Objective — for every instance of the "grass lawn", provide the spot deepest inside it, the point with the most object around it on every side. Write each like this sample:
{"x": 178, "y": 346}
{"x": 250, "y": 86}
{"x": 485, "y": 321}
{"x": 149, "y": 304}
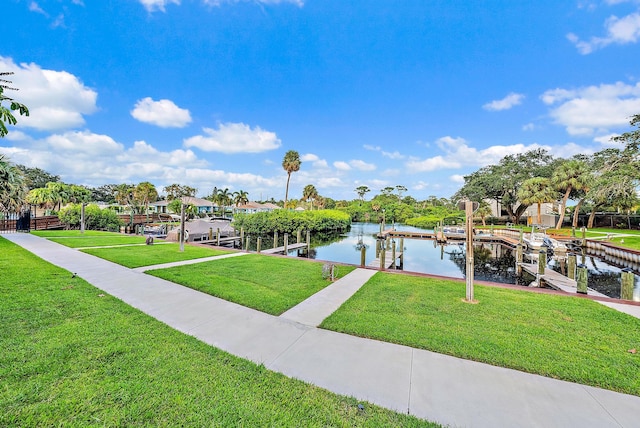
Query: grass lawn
{"x": 148, "y": 255}
{"x": 561, "y": 337}
{"x": 90, "y": 238}
{"x": 72, "y": 356}
{"x": 266, "y": 283}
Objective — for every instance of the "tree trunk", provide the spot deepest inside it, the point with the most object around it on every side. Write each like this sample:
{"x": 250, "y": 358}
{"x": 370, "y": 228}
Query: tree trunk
{"x": 563, "y": 208}
{"x": 576, "y": 213}
{"x": 592, "y": 216}
{"x": 539, "y": 213}
{"x": 286, "y": 193}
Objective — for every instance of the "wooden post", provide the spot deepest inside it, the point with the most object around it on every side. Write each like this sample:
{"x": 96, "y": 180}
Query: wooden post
{"x": 582, "y": 275}
{"x": 275, "y": 239}
{"x": 182, "y": 228}
{"x": 241, "y": 236}
{"x": 286, "y": 243}
{"x": 246, "y": 248}
{"x": 378, "y": 244}
{"x": 519, "y": 259}
{"x": 521, "y": 236}
{"x": 468, "y": 208}
{"x": 573, "y": 232}
{"x": 299, "y": 236}
{"x": 571, "y": 266}
{"x": 542, "y": 261}
{"x": 393, "y": 255}
{"x": 584, "y": 237}
{"x": 258, "y": 244}
{"x": 82, "y": 218}
{"x": 210, "y": 233}
{"x": 628, "y": 282}
{"x": 218, "y": 237}
{"x": 401, "y": 253}
{"x": 382, "y": 260}
{"x": 363, "y": 255}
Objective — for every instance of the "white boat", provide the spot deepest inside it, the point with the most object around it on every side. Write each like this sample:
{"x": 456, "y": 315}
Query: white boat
{"x": 537, "y": 241}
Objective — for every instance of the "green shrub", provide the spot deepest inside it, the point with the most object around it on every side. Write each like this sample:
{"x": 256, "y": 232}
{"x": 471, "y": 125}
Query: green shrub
{"x": 95, "y": 218}
{"x": 284, "y": 221}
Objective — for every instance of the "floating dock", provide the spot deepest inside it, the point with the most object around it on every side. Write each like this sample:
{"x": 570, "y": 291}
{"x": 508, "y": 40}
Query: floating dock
{"x": 281, "y": 250}
{"x": 557, "y": 280}
{"x": 388, "y": 260}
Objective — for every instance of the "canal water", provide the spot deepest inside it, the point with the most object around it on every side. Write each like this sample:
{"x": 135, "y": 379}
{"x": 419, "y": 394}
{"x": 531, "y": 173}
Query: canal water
{"x": 492, "y": 262}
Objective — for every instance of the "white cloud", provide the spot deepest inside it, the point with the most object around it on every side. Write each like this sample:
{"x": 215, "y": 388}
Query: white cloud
{"x": 457, "y": 178}
{"x": 234, "y": 138}
{"x": 342, "y": 166}
{"x": 163, "y": 113}
{"x": 390, "y": 155}
{"x": 153, "y": 5}
{"x": 505, "y": 103}
{"x": 585, "y": 111}
{"x": 362, "y": 165}
{"x": 619, "y": 31}
{"x": 315, "y": 161}
{"x": 56, "y": 99}
{"x": 606, "y": 140}
{"x": 528, "y": 127}
{"x": 432, "y": 164}
{"x": 35, "y": 7}
{"x": 458, "y": 153}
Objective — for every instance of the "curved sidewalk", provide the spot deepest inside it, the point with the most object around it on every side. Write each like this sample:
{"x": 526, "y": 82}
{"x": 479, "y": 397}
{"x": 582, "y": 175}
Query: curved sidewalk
{"x": 432, "y": 386}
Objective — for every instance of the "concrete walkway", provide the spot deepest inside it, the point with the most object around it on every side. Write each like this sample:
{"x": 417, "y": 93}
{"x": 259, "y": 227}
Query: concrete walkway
{"x": 435, "y": 387}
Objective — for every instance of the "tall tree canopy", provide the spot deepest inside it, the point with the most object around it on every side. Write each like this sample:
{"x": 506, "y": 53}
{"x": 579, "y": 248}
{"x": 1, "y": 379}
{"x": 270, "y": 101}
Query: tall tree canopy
{"x": 501, "y": 182}
{"x": 6, "y": 114}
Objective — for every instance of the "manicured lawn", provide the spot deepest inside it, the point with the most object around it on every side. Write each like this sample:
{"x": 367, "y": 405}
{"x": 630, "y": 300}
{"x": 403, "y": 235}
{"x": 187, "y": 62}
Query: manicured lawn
{"x": 147, "y": 255}
{"x": 72, "y": 356}
{"x": 562, "y": 337}
{"x": 632, "y": 242}
{"x": 268, "y": 284}
{"x": 90, "y": 238}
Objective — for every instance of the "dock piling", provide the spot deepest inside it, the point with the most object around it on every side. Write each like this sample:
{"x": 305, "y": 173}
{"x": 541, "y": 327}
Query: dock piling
{"x": 571, "y": 266}
{"x": 628, "y": 282}
{"x": 582, "y": 279}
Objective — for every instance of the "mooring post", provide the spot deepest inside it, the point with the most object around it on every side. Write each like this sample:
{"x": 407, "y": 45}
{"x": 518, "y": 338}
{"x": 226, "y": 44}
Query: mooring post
{"x": 382, "y": 261}
{"x": 363, "y": 255}
{"x": 299, "y": 236}
{"x": 258, "y": 244}
{"x": 521, "y": 237}
{"x": 377, "y": 248}
{"x": 286, "y": 243}
{"x": 308, "y": 242}
{"x": 542, "y": 261}
{"x": 582, "y": 275}
{"x": 519, "y": 259}
{"x": 401, "y": 253}
{"x": 218, "y": 237}
{"x": 571, "y": 266}
{"x": 246, "y": 248}
{"x": 393, "y": 255}
{"x": 241, "y": 236}
{"x": 628, "y": 282}
{"x": 210, "y": 234}
{"x": 584, "y": 237}
{"x": 275, "y": 239}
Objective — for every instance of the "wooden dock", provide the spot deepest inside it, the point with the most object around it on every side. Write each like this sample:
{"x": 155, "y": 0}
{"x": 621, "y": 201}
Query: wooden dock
{"x": 221, "y": 241}
{"x": 388, "y": 260}
{"x": 557, "y": 280}
{"x": 280, "y": 250}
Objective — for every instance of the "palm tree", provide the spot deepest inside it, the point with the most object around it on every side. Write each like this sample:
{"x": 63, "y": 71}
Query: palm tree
{"x": 40, "y": 197}
{"x": 145, "y": 193}
{"x": 483, "y": 211}
{"x": 569, "y": 176}
{"x": 240, "y": 198}
{"x": 59, "y": 193}
{"x": 290, "y": 163}
{"x": 223, "y": 198}
{"x": 309, "y": 193}
{"x": 13, "y": 188}
{"x": 537, "y": 190}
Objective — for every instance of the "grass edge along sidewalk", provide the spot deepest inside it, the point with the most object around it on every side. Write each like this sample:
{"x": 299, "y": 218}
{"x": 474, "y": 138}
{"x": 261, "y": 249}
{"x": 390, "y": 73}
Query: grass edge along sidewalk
{"x": 561, "y": 337}
{"x": 74, "y": 356}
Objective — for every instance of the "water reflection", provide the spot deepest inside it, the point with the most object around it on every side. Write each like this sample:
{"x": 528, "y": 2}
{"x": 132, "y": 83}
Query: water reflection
{"x": 493, "y": 262}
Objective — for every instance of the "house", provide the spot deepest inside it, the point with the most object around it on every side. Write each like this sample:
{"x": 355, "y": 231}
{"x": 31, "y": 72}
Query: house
{"x": 204, "y": 206}
{"x": 256, "y": 207}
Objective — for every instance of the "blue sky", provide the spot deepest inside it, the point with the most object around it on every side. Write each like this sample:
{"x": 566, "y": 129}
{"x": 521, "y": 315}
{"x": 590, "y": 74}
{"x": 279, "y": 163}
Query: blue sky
{"x": 378, "y": 92}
